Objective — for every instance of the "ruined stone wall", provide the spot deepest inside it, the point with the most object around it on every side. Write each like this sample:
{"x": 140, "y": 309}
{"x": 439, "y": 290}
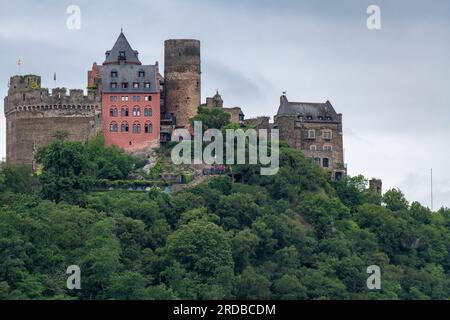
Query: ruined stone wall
{"x": 182, "y": 80}
{"x": 234, "y": 114}
{"x": 258, "y": 123}
{"x": 376, "y": 185}
{"x": 33, "y": 115}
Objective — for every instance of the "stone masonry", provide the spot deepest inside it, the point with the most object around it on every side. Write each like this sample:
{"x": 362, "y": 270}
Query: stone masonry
{"x": 316, "y": 130}
{"x": 33, "y": 115}
{"x": 182, "y": 76}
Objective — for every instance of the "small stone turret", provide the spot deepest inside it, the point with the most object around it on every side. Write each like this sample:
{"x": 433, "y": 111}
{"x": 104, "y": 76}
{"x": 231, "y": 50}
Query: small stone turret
{"x": 376, "y": 186}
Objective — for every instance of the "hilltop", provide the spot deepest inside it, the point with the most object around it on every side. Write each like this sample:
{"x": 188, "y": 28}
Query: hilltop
{"x": 295, "y": 235}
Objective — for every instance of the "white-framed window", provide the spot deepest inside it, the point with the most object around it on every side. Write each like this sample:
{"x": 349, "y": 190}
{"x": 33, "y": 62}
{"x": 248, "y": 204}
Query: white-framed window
{"x": 327, "y": 134}
{"x": 148, "y": 98}
{"x": 311, "y": 134}
{"x": 328, "y": 147}
{"x": 124, "y": 98}
{"x": 313, "y": 147}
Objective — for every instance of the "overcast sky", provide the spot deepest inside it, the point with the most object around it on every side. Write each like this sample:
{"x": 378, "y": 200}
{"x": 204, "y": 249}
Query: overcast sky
{"x": 392, "y": 85}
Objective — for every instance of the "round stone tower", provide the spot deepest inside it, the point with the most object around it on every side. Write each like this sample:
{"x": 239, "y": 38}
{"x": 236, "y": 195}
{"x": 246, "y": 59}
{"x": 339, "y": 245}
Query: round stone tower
{"x": 182, "y": 73}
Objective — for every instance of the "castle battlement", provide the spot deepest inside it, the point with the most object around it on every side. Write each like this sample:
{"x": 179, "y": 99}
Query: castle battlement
{"x": 33, "y": 114}
{"x": 26, "y": 95}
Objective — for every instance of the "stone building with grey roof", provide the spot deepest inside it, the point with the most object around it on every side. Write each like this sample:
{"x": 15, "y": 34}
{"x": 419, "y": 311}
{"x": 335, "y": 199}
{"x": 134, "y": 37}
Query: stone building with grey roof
{"x": 316, "y": 130}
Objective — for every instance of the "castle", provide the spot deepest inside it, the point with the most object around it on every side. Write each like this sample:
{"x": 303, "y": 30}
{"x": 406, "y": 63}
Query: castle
{"x": 316, "y": 130}
{"x": 137, "y": 108}
{"x": 134, "y": 106}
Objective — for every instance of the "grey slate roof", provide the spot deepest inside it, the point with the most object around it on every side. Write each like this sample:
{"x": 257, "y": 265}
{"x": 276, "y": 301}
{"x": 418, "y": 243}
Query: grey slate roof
{"x": 307, "y": 109}
{"x": 122, "y": 44}
{"x": 127, "y": 70}
{"x": 129, "y": 73}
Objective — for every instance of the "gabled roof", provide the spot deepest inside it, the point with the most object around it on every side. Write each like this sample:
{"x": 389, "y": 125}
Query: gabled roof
{"x": 314, "y": 110}
{"x": 122, "y": 45}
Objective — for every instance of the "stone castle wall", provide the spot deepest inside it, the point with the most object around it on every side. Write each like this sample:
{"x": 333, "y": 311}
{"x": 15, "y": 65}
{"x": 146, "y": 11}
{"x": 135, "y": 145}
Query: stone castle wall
{"x": 182, "y": 75}
{"x": 33, "y": 115}
{"x": 295, "y": 134}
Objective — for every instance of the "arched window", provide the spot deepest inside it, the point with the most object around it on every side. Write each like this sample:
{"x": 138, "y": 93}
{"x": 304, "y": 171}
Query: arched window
{"x": 116, "y": 113}
{"x": 124, "y": 112}
{"x": 148, "y": 127}
{"x": 113, "y": 127}
{"x": 124, "y": 127}
{"x": 113, "y": 112}
{"x": 136, "y": 112}
{"x": 136, "y": 127}
{"x": 148, "y": 112}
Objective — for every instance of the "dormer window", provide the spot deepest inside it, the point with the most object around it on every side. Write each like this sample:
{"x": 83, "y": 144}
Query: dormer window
{"x": 320, "y": 118}
{"x": 124, "y": 85}
{"x": 300, "y": 118}
{"x": 113, "y": 85}
{"x": 147, "y": 85}
{"x": 328, "y": 118}
{"x": 114, "y": 74}
{"x": 141, "y": 74}
{"x": 309, "y": 117}
{"x": 122, "y": 55}
{"x": 135, "y": 85}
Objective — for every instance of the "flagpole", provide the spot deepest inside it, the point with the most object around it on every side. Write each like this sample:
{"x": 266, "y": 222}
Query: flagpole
{"x": 19, "y": 64}
{"x": 432, "y": 189}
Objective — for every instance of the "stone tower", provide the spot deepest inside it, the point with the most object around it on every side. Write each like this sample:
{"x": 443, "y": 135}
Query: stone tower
{"x": 182, "y": 73}
{"x": 33, "y": 115}
{"x": 376, "y": 186}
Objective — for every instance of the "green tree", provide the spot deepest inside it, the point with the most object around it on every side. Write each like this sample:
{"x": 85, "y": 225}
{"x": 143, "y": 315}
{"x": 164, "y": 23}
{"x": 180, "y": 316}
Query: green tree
{"x": 203, "y": 250}
{"x": 395, "y": 200}
{"x": 67, "y": 175}
{"x": 211, "y": 118}
{"x": 17, "y": 179}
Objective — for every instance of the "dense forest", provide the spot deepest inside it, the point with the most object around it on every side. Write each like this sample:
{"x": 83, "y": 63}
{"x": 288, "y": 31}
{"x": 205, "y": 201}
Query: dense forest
{"x": 294, "y": 235}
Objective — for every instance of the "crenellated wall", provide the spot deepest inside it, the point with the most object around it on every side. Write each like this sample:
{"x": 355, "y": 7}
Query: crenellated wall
{"x": 33, "y": 114}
